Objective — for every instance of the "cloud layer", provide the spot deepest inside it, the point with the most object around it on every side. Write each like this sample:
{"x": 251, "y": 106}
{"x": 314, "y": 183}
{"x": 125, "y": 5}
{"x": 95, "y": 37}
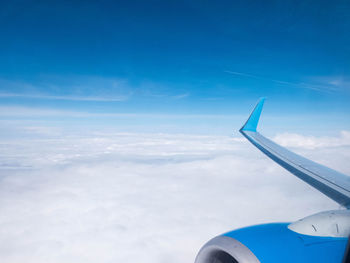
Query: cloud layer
{"x": 312, "y": 142}
{"x": 144, "y": 197}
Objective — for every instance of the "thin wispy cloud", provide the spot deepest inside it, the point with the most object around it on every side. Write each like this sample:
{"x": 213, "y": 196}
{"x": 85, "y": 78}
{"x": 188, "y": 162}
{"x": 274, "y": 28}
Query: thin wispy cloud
{"x": 340, "y": 82}
{"x": 242, "y": 74}
{"x": 86, "y": 88}
{"x": 67, "y": 88}
{"x": 328, "y": 87}
{"x": 68, "y": 97}
{"x": 181, "y": 96}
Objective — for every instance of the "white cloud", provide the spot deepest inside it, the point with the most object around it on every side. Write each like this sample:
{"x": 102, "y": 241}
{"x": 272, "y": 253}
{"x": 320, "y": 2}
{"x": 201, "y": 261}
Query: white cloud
{"x": 140, "y": 197}
{"x": 24, "y": 112}
{"x": 73, "y": 88}
{"x": 312, "y": 142}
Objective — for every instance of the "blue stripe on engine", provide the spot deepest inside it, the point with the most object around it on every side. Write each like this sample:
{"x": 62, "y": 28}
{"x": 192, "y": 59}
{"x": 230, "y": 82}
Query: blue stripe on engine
{"x": 274, "y": 242}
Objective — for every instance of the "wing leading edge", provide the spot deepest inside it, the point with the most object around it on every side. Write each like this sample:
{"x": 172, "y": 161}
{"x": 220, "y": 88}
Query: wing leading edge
{"x": 330, "y": 182}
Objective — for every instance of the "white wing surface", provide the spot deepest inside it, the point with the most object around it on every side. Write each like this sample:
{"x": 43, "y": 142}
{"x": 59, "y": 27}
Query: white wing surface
{"x": 330, "y": 182}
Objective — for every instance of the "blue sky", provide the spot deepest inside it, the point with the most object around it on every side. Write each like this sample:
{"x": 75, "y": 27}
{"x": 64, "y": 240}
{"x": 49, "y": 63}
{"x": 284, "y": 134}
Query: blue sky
{"x": 175, "y": 66}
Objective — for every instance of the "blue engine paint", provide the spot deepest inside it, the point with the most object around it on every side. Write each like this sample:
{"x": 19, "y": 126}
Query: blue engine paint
{"x": 273, "y": 243}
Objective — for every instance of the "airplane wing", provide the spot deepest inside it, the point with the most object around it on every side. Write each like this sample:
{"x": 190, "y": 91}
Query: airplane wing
{"x": 331, "y": 183}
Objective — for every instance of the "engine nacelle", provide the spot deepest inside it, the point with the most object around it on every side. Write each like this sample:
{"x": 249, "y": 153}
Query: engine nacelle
{"x": 277, "y": 242}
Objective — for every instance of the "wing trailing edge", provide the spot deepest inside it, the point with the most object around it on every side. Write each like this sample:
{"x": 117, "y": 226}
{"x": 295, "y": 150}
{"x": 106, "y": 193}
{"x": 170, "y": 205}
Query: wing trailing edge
{"x": 330, "y": 182}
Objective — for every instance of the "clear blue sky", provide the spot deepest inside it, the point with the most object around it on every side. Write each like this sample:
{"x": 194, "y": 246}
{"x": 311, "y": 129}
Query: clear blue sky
{"x": 176, "y": 65}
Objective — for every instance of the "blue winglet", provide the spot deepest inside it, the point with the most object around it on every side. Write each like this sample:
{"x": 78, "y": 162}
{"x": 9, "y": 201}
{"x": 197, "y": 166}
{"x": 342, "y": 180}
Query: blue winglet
{"x": 252, "y": 123}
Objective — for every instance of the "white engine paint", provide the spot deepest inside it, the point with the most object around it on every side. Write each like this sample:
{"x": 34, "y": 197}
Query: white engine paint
{"x": 335, "y": 223}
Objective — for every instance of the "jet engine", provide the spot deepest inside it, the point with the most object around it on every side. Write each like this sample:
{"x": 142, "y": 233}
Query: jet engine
{"x": 318, "y": 238}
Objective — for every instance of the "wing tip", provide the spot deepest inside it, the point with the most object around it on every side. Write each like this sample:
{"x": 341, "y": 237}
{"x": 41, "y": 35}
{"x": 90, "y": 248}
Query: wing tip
{"x": 253, "y": 120}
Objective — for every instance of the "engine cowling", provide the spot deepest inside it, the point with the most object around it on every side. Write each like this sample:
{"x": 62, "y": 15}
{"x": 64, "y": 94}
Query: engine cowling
{"x": 271, "y": 243}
